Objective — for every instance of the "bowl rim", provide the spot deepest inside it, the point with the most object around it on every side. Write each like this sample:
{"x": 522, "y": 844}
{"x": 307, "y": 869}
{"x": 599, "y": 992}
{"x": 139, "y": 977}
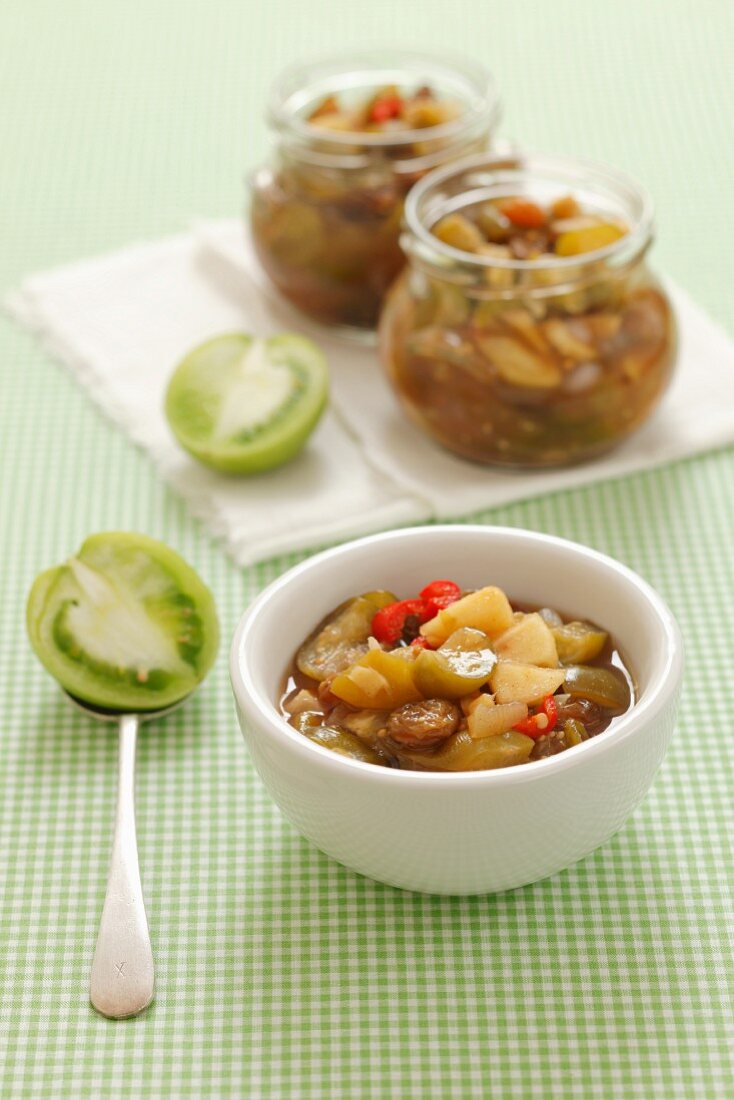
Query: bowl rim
{"x": 660, "y": 693}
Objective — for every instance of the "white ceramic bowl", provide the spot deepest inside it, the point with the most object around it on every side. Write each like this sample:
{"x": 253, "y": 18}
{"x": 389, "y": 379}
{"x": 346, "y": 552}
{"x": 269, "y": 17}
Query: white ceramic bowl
{"x": 466, "y": 832}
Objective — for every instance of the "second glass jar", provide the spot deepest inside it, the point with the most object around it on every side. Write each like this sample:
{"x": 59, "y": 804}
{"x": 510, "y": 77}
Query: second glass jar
{"x": 536, "y": 362}
{"x": 326, "y": 214}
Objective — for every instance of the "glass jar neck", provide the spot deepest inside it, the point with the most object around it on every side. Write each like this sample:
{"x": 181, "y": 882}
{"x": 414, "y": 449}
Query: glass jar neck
{"x": 358, "y": 76}
{"x": 478, "y": 179}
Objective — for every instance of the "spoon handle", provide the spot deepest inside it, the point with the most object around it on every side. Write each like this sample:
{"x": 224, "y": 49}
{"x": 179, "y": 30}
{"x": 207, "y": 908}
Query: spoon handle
{"x": 122, "y": 971}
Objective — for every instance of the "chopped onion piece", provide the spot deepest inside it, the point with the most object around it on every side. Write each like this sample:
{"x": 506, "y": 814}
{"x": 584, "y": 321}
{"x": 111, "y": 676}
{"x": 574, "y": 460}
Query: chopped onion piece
{"x": 487, "y": 721}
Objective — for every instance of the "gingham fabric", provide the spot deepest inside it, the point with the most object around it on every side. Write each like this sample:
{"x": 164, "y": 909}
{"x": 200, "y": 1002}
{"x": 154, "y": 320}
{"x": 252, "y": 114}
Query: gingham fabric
{"x": 279, "y": 973}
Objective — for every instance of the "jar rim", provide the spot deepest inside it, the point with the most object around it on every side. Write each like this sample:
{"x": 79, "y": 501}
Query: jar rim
{"x": 522, "y": 164}
{"x": 482, "y": 105}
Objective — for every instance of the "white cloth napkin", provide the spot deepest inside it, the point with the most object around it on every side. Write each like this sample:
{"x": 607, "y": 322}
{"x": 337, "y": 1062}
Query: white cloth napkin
{"x": 121, "y": 322}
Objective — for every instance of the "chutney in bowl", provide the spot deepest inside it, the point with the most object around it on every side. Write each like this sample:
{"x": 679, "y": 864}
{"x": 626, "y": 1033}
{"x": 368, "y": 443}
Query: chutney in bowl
{"x": 468, "y": 831}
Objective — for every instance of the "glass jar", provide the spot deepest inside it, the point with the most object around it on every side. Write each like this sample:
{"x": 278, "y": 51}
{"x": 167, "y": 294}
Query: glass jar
{"x": 528, "y": 363}
{"x": 326, "y": 214}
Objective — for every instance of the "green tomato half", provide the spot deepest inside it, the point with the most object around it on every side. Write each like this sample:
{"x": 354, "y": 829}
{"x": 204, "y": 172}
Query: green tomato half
{"x": 242, "y": 405}
{"x": 125, "y": 624}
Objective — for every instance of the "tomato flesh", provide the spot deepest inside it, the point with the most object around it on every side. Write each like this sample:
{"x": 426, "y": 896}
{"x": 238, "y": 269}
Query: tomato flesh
{"x": 242, "y": 405}
{"x": 125, "y": 624}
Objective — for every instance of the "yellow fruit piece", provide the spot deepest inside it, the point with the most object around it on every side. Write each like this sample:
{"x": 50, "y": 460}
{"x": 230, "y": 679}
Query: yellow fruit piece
{"x": 513, "y": 682}
{"x": 589, "y": 239}
{"x": 488, "y": 610}
{"x": 529, "y": 641}
{"x": 419, "y": 114}
{"x": 458, "y": 232}
{"x": 379, "y": 680}
{"x": 565, "y": 207}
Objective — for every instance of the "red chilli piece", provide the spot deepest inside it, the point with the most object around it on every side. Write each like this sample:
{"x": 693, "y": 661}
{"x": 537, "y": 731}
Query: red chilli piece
{"x": 389, "y": 622}
{"x": 390, "y": 106}
{"x": 542, "y": 722}
{"x": 421, "y": 643}
{"x": 523, "y": 213}
{"x": 440, "y": 595}
{"x": 550, "y": 710}
{"x": 440, "y": 588}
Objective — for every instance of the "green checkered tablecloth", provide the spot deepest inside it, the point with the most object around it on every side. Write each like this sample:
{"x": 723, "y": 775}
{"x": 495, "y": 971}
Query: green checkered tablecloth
{"x": 280, "y": 974}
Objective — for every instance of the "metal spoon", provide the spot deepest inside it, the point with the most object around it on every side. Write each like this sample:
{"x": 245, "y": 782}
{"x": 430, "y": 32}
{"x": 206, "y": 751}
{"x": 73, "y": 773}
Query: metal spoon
{"x": 122, "y": 978}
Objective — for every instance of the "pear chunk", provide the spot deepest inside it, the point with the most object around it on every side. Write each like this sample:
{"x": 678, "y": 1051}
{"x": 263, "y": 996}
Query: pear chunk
{"x": 530, "y": 641}
{"x": 513, "y": 682}
{"x": 487, "y": 610}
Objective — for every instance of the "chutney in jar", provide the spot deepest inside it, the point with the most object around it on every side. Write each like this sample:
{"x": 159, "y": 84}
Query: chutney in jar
{"x": 353, "y": 135}
{"x": 528, "y": 330}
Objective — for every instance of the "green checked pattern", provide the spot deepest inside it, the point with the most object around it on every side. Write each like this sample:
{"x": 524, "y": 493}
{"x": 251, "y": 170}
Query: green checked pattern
{"x": 279, "y": 973}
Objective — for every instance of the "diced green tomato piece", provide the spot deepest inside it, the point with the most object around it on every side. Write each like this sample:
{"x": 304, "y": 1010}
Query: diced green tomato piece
{"x": 342, "y": 639}
{"x": 378, "y": 681}
{"x": 493, "y": 223}
{"x": 578, "y": 642}
{"x": 125, "y": 624}
{"x": 462, "y": 665}
{"x": 574, "y": 732}
{"x": 448, "y": 305}
{"x": 293, "y": 231}
{"x": 578, "y": 241}
{"x": 487, "y": 610}
{"x": 344, "y": 743}
{"x": 604, "y": 686}
{"x": 461, "y": 753}
{"x": 241, "y": 404}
